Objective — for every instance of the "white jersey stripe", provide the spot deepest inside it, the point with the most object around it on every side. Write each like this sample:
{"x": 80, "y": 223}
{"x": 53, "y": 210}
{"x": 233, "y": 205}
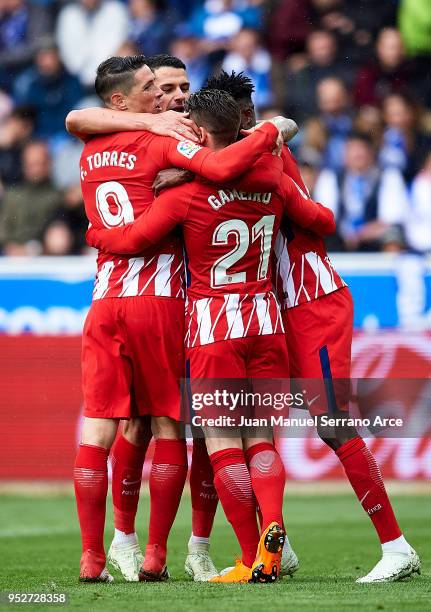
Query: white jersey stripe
{"x": 204, "y": 321}
{"x": 262, "y": 307}
{"x": 233, "y": 316}
{"x": 102, "y": 280}
{"x": 162, "y": 281}
{"x": 131, "y": 280}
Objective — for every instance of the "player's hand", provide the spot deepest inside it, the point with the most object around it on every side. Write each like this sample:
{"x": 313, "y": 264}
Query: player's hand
{"x": 287, "y": 127}
{"x": 171, "y": 177}
{"x": 174, "y": 124}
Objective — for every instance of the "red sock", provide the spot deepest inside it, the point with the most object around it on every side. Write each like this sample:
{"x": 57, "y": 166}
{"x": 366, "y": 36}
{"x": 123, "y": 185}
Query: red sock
{"x": 233, "y": 484}
{"x": 127, "y": 461}
{"x": 268, "y": 478}
{"x": 204, "y": 495}
{"x": 364, "y": 476}
{"x": 167, "y": 478}
{"x": 91, "y": 486}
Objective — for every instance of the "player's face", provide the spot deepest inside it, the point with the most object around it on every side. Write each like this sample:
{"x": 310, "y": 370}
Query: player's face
{"x": 145, "y": 96}
{"x": 175, "y": 86}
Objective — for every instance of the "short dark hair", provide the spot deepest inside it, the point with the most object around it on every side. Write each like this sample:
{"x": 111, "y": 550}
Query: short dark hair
{"x": 164, "y": 60}
{"x": 239, "y": 86}
{"x": 361, "y": 137}
{"x": 117, "y": 73}
{"x": 216, "y": 111}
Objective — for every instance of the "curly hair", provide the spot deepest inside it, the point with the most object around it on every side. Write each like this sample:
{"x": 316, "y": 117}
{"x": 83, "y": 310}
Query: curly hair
{"x": 239, "y": 86}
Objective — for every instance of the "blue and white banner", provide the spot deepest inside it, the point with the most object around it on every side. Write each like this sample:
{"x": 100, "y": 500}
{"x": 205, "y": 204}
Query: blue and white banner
{"x": 52, "y": 295}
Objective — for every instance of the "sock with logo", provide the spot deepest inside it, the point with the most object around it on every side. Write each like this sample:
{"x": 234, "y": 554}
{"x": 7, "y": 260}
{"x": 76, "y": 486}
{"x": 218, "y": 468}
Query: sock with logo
{"x": 167, "y": 478}
{"x": 233, "y": 484}
{"x": 267, "y": 478}
{"x": 203, "y": 493}
{"x": 127, "y": 462}
{"x": 90, "y": 478}
{"x": 364, "y": 476}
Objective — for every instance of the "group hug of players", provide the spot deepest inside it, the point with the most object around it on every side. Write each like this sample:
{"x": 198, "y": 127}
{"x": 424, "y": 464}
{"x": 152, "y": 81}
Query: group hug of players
{"x": 263, "y": 302}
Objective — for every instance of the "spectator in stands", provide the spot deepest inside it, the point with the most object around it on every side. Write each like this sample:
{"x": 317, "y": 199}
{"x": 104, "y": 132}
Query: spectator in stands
{"x": 403, "y": 145}
{"x": 89, "y": 31}
{"x": 389, "y": 72}
{"x": 288, "y": 28}
{"x": 149, "y": 28}
{"x": 65, "y": 229}
{"x": 49, "y": 89}
{"x": 22, "y": 23}
{"x": 369, "y": 121}
{"x": 248, "y": 56}
{"x": 27, "y": 205}
{"x": 216, "y": 21}
{"x": 189, "y": 50}
{"x": 355, "y": 24}
{"x": 370, "y": 205}
{"x": 321, "y": 62}
{"x": 326, "y": 134}
{"x": 418, "y": 223}
{"x": 14, "y": 134}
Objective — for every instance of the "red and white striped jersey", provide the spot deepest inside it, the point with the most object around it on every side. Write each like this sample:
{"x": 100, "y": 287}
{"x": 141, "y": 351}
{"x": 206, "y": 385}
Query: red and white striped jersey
{"x": 229, "y": 235}
{"x": 117, "y": 174}
{"x": 302, "y": 270}
{"x": 231, "y": 315}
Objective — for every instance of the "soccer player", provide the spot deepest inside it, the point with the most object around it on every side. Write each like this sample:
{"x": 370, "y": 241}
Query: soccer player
{"x": 318, "y": 319}
{"x": 128, "y": 451}
{"x": 128, "y": 346}
{"x": 233, "y": 318}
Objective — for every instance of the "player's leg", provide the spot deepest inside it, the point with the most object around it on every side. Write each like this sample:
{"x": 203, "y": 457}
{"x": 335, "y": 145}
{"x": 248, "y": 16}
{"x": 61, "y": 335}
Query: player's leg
{"x": 127, "y": 458}
{"x": 167, "y": 478}
{"x": 106, "y": 378}
{"x": 319, "y": 337}
{"x": 267, "y": 368}
{"x": 213, "y": 367}
{"x": 233, "y": 485}
{"x": 155, "y": 332}
{"x": 204, "y": 499}
{"x": 91, "y": 486}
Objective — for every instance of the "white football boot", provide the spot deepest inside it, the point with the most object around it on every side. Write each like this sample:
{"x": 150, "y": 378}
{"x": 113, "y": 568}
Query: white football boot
{"x": 393, "y": 566}
{"x": 127, "y": 558}
{"x": 198, "y": 564}
{"x": 289, "y": 561}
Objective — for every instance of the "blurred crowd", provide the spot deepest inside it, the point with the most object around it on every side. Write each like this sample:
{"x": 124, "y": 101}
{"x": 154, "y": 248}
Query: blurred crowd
{"x": 354, "y": 74}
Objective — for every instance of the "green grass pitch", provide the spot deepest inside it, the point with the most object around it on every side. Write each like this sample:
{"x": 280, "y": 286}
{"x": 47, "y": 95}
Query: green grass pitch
{"x": 40, "y": 548}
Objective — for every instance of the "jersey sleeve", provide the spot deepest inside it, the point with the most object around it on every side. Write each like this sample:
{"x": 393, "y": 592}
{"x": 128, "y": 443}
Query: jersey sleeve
{"x": 290, "y": 167}
{"x": 156, "y": 222}
{"x": 226, "y": 164}
{"x": 264, "y": 176}
{"x": 303, "y": 211}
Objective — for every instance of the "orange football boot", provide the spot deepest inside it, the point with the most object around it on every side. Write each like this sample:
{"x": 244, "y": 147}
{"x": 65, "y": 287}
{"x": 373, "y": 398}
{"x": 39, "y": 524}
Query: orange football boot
{"x": 239, "y": 573}
{"x": 266, "y": 567}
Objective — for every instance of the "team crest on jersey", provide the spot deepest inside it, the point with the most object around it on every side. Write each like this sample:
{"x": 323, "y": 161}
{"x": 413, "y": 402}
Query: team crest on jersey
{"x": 188, "y": 148}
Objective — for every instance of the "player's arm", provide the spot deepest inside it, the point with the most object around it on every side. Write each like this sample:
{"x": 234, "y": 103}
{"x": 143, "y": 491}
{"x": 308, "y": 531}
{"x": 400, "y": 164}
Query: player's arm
{"x": 290, "y": 167}
{"x": 226, "y": 164}
{"x": 264, "y": 176}
{"x": 89, "y": 121}
{"x": 157, "y": 221}
{"x": 303, "y": 211}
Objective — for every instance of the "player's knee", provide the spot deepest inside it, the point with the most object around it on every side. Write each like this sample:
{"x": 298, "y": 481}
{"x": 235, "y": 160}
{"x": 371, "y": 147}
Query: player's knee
{"x": 99, "y": 432}
{"x": 137, "y": 430}
{"x": 335, "y": 437}
{"x": 164, "y": 427}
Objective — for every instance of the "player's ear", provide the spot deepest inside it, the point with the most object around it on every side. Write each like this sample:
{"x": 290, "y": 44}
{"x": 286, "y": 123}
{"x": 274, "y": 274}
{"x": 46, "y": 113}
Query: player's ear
{"x": 119, "y": 101}
{"x": 202, "y": 135}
